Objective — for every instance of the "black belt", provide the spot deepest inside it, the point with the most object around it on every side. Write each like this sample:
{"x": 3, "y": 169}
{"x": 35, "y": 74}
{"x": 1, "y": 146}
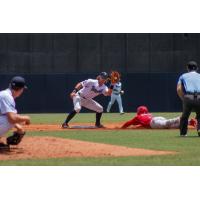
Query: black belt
{"x": 80, "y": 95}
{"x": 192, "y": 93}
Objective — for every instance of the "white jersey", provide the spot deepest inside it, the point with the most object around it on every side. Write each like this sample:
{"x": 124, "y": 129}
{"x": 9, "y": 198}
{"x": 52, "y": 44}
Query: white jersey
{"x": 117, "y": 88}
{"x": 92, "y": 89}
{"x": 7, "y": 104}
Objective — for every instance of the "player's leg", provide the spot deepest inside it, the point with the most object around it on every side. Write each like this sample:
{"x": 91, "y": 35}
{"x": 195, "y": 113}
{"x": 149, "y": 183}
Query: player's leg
{"x": 77, "y": 108}
{"x": 158, "y": 123}
{"x": 119, "y": 101}
{"x": 112, "y": 100}
{"x": 187, "y": 108}
{"x": 197, "y": 110}
{"x": 5, "y": 126}
{"x": 93, "y": 105}
{"x": 173, "y": 123}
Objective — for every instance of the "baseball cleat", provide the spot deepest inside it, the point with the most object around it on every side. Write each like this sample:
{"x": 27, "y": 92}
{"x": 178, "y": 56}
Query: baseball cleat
{"x": 183, "y": 135}
{"x": 121, "y": 113}
{"x": 4, "y": 147}
{"x": 100, "y": 126}
{"x": 198, "y": 132}
{"x": 65, "y": 125}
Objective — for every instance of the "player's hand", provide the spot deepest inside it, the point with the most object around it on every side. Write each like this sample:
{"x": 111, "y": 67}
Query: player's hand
{"x": 122, "y": 92}
{"x": 27, "y": 120}
{"x": 19, "y": 128}
{"x": 72, "y": 94}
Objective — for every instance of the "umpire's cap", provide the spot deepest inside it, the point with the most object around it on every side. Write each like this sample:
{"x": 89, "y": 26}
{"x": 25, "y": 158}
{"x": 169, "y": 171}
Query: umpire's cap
{"x": 18, "y": 82}
{"x": 103, "y": 75}
{"x": 192, "y": 65}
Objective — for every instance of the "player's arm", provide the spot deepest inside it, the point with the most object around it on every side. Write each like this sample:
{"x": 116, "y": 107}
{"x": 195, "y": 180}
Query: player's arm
{"x": 108, "y": 91}
{"x": 121, "y": 91}
{"x": 130, "y": 122}
{"x": 180, "y": 90}
{"x": 179, "y": 87}
{"x": 76, "y": 89}
{"x": 14, "y": 118}
{"x": 19, "y": 128}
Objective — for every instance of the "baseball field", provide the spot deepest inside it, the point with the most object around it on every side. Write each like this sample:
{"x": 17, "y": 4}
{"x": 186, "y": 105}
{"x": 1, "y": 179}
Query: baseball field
{"x": 47, "y": 144}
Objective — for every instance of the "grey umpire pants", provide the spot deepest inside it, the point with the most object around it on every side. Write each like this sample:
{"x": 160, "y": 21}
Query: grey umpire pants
{"x": 190, "y": 103}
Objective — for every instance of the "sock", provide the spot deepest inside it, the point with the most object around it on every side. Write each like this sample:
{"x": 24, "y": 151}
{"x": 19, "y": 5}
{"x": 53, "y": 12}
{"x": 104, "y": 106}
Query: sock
{"x": 98, "y": 118}
{"x": 70, "y": 116}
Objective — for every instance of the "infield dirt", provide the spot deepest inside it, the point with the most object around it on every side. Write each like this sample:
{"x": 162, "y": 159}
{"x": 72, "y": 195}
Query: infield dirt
{"x": 53, "y": 147}
{"x": 84, "y": 126}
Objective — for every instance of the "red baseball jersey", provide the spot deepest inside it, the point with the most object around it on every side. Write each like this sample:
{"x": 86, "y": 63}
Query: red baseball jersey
{"x": 142, "y": 119}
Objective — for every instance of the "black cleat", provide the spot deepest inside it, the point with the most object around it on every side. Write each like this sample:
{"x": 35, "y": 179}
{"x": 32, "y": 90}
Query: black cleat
{"x": 4, "y": 147}
{"x": 198, "y": 131}
{"x": 65, "y": 125}
{"x": 99, "y": 126}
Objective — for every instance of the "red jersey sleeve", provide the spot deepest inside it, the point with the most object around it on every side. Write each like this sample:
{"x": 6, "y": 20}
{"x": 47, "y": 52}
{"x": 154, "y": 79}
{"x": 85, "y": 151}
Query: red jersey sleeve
{"x": 133, "y": 121}
{"x": 143, "y": 120}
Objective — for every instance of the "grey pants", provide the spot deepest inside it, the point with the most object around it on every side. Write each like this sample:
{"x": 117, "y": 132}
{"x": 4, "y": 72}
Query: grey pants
{"x": 190, "y": 103}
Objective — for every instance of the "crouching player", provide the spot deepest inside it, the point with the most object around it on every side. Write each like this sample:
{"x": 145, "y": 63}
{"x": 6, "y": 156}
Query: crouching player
{"x": 145, "y": 119}
{"x": 9, "y": 118}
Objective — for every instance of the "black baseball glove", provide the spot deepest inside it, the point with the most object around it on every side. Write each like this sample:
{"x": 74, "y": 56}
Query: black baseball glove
{"x": 15, "y": 139}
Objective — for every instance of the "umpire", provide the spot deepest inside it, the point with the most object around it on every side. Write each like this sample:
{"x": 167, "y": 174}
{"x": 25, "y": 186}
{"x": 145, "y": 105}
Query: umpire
{"x": 188, "y": 89}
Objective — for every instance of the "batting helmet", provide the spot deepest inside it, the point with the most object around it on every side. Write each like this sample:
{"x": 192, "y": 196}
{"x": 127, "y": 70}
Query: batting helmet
{"x": 142, "y": 110}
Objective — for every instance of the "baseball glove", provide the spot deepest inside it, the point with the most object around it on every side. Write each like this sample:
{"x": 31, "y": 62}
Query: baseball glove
{"x": 114, "y": 77}
{"x": 15, "y": 139}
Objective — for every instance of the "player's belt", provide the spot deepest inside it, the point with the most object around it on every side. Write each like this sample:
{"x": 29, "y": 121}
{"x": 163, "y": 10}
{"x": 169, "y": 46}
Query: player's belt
{"x": 192, "y": 93}
{"x": 195, "y": 95}
{"x": 116, "y": 93}
{"x": 81, "y": 95}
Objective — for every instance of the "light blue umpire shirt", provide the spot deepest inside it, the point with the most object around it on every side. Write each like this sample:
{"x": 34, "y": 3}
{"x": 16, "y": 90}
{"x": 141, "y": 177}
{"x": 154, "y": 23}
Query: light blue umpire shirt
{"x": 190, "y": 81}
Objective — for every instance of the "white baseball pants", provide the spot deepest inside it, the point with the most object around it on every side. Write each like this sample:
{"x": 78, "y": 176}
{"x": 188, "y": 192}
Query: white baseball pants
{"x": 90, "y": 104}
{"x": 113, "y": 98}
{"x": 162, "y": 122}
{"x": 5, "y": 126}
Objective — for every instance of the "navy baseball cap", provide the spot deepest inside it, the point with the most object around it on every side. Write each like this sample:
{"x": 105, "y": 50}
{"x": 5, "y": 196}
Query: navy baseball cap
{"x": 103, "y": 75}
{"x": 18, "y": 82}
{"x": 192, "y": 65}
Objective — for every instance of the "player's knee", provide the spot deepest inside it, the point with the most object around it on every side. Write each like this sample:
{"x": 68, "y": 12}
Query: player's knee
{"x": 78, "y": 109}
{"x": 100, "y": 109}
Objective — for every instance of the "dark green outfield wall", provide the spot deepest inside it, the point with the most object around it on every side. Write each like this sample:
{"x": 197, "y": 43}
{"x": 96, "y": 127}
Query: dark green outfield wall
{"x": 91, "y": 53}
{"x": 50, "y": 93}
{"x": 53, "y": 63}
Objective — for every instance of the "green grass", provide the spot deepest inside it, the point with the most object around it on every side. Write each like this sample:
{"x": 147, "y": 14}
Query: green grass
{"x": 187, "y": 148}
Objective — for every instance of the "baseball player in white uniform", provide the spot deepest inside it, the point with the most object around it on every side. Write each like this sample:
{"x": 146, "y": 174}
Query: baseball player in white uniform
{"x": 116, "y": 95}
{"x": 83, "y": 95}
{"x": 8, "y": 113}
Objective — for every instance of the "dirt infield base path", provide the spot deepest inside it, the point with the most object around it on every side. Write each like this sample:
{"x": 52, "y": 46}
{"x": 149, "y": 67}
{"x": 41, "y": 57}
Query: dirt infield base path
{"x": 53, "y": 147}
{"x": 57, "y": 127}
{"x": 82, "y": 126}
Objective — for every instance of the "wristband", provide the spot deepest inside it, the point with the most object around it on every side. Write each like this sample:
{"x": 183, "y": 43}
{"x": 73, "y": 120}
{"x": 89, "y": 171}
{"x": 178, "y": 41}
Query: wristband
{"x": 75, "y": 90}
